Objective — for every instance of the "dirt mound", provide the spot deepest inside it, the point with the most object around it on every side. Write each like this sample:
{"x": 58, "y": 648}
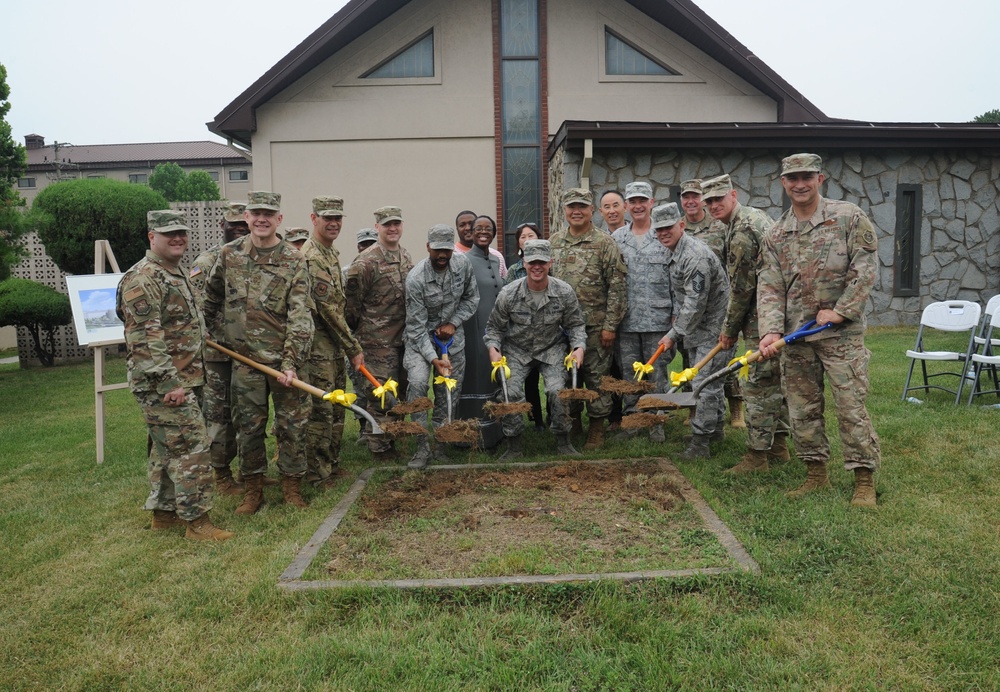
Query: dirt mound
{"x": 402, "y": 428}
{"x": 612, "y": 385}
{"x": 466, "y": 431}
{"x": 415, "y": 406}
{"x": 642, "y": 420}
{"x": 496, "y": 411}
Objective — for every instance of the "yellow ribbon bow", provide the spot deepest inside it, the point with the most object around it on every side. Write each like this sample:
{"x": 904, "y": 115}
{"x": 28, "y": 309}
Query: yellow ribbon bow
{"x": 339, "y": 396}
{"x": 744, "y": 372}
{"x": 389, "y": 386}
{"x": 679, "y": 378}
{"x": 641, "y": 369}
{"x": 569, "y": 361}
{"x": 500, "y": 365}
{"x": 446, "y": 381}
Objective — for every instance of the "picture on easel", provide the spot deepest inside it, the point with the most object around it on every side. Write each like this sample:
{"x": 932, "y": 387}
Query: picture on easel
{"x": 92, "y": 298}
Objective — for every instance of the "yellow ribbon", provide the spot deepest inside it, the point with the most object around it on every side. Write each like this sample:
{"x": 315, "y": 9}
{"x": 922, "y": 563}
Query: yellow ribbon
{"x": 339, "y": 396}
{"x": 446, "y": 381}
{"x": 744, "y": 372}
{"x": 641, "y": 369}
{"x": 500, "y": 365}
{"x": 389, "y": 386}
{"x": 569, "y": 361}
{"x": 682, "y": 377}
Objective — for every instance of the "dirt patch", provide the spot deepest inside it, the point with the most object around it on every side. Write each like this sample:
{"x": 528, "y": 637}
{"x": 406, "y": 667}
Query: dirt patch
{"x": 415, "y": 406}
{"x": 642, "y": 420}
{"x": 403, "y": 428}
{"x": 579, "y": 395}
{"x": 654, "y": 403}
{"x": 613, "y": 385}
{"x": 466, "y": 431}
{"x": 571, "y": 519}
{"x": 496, "y": 411}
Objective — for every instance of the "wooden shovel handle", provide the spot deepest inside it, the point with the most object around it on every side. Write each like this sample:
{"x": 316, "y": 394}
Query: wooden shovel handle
{"x": 711, "y": 354}
{"x": 304, "y": 386}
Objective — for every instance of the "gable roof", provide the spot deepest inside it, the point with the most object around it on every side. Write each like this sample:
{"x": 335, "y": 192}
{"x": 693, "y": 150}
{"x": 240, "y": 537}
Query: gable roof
{"x": 121, "y": 155}
{"x": 683, "y": 17}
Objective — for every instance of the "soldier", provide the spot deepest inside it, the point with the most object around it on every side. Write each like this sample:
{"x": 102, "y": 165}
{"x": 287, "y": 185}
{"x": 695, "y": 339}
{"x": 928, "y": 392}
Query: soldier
{"x": 589, "y": 261}
{"x": 376, "y": 312}
{"x": 648, "y": 295}
{"x": 219, "y": 367}
{"x": 257, "y": 304}
{"x": 820, "y": 261}
{"x": 700, "y": 292}
{"x": 441, "y": 294}
{"x": 613, "y": 210}
{"x": 527, "y": 327}
{"x": 365, "y": 238}
{"x": 697, "y": 221}
{"x": 295, "y": 235}
{"x": 165, "y": 336}
{"x": 331, "y": 342}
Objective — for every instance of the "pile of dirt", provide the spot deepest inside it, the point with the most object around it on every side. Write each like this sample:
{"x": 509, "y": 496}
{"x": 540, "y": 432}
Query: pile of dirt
{"x": 496, "y": 411}
{"x": 612, "y": 385}
{"x": 578, "y": 395}
{"x": 642, "y": 420}
{"x": 415, "y": 406}
{"x": 459, "y": 431}
{"x": 403, "y": 428}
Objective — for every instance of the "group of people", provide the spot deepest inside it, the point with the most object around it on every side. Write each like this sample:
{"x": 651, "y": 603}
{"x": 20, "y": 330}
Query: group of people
{"x": 692, "y": 277}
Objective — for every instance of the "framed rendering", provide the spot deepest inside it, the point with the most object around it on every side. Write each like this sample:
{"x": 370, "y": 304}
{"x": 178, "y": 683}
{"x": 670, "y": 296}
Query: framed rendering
{"x": 92, "y": 298}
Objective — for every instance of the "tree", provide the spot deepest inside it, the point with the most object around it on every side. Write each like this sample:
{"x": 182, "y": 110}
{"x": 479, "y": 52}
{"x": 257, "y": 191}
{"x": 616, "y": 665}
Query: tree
{"x": 175, "y": 185}
{"x": 69, "y": 216}
{"x": 167, "y": 179}
{"x": 38, "y": 308}
{"x": 13, "y": 162}
{"x": 992, "y": 116}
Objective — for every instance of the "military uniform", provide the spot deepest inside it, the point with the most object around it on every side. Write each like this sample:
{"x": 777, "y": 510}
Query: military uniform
{"x": 707, "y": 232}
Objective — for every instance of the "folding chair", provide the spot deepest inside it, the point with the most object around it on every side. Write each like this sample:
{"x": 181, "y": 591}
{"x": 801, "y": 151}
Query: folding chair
{"x": 948, "y": 316}
{"x": 988, "y": 360}
{"x": 991, "y": 307}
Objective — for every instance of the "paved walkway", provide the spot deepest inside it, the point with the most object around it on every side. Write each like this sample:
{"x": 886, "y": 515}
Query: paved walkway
{"x": 5, "y": 361}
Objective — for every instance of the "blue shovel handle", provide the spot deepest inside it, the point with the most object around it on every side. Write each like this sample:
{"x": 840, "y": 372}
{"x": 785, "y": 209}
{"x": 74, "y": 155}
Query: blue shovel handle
{"x": 443, "y": 347}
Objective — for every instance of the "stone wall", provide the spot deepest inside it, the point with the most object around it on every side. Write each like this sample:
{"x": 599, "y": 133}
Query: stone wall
{"x": 959, "y": 232}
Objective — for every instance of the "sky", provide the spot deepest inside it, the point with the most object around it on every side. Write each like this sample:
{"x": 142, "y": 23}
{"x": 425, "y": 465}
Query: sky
{"x": 116, "y": 71}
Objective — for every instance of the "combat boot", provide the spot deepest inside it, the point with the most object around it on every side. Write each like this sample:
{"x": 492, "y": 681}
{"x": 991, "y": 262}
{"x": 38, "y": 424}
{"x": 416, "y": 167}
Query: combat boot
{"x": 816, "y": 479}
{"x": 202, "y": 529}
{"x": 514, "y": 449}
{"x": 439, "y": 453}
{"x": 736, "y": 419}
{"x": 753, "y": 460}
{"x": 164, "y": 519}
{"x": 422, "y": 455}
{"x": 718, "y": 435}
{"x": 864, "y": 488}
{"x": 253, "y": 498}
{"x": 697, "y": 448}
{"x": 225, "y": 484}
{"x": 565, "y": 447}
{"x": 779, "y": 448}
{"x": 386, "y": 456}
{"x": 657, "y": 434}
{"x": 595, "y": 435}
{"x": 269, "y": 482}
{"x": 291, "y": 491}
{"x": 624, "y": 435}
{"x": 577, "y": 419}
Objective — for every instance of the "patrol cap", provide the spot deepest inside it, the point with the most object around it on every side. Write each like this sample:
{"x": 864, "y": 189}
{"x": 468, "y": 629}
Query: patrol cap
{"x": 801, "y": 163}
{"x": 639, "y": 189}
{"x": 537, "y": 251}
{"x": 386, "y": 214}
{"x": 233, "y": 212}
{"x": 270, "y": 201}
{"x": 665, "y": 215}
{"x": 441, "y": 237}
{"x": 328, "y": 206}
{"x": 716, "y": 187}
{"x": 366, "y": 235}
{"x": 166, "y": 220}
{"x": 693, "y": 185}
{"x": 577, "y": 195}
{"x": 294, "y": 234}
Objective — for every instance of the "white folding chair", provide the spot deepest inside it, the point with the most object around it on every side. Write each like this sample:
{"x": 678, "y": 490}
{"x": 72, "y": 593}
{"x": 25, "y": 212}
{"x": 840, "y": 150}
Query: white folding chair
{"x": 987, "y": 360}
{"x": 954, "y": 317}
{"x": 991, "y": 307}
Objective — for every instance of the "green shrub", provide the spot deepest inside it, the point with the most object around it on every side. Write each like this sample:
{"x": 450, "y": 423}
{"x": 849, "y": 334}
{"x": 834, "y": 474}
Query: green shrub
{"x": 38, "y": 308}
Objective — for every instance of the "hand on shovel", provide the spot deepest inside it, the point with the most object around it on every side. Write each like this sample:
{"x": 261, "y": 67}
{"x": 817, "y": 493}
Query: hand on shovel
{"x": 444, "y": 366}
{"x": 500, "y": 371}
{"x": 390, "y": 387}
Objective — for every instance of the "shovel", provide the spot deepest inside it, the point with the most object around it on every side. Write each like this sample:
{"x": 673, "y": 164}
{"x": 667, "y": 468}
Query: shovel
{"x": 673, "y": 399}
{"x": 381, "y": 390}
{"x": 574, "y": 393}
{"x": 337, "y": 396}
{"x": 448, "y": 382}
{"x": 643, "y": 369}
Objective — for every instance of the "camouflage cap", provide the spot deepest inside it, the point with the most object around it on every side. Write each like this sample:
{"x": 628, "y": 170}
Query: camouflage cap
{"x": 233, "y": 212}
{"x": 693, "y": 185}
{"x": 441, "y": 237}
{"x": 294, "y": 234}
{"x": 537, "y": 251}
{"x": 386, "y": 214}
{"x": 639, "y": 189}
{"x": 665, "y": 215}
{"x": 166, "y": 220}
{"x": 270, "y": 201}
{"x": 366, "y": 235}
{"x": 328, "y": 206}
{"x": 577, "y": 195}
{"x": 801, "y": 163}
{"x": 716, "y": 187}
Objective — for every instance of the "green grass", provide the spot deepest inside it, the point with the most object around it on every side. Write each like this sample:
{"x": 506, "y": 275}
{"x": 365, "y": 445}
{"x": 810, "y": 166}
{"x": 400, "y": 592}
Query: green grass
{"x": 905, "y": 596}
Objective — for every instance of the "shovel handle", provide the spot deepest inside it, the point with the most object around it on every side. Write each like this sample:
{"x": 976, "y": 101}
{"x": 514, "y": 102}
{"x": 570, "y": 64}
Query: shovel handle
{"x": 656, "y": 354}
{"x": 299, "y": 384}
{"x": 371, "y": 378}
{"x": 701, "y": 363}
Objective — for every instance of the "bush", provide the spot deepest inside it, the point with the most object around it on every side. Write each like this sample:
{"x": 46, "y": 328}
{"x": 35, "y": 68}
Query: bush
{"x": 175, "y": 185}
{"x": 69, "y": 216}
{"x": 38, "y": 308}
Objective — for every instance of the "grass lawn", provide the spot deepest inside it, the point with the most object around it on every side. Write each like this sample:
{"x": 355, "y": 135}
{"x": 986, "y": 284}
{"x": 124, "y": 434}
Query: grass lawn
{"x": 905, "y": 596}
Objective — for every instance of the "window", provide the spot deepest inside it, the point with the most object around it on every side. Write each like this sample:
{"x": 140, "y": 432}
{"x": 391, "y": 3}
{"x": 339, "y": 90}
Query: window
{"x": 238, "y": 176}
{"x": 622, "y": 58}
{"x": 906, "y": 263}
{"x": 26, "y": 182}
{"x": 95, "y": 175}
{"x": 138, "y": 178}
{"x": 214, "y": 175}
{"x": 415, "y": 60}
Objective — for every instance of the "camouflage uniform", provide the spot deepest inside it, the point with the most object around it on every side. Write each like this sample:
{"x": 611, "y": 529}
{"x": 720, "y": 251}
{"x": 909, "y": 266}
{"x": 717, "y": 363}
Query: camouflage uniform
{"x": 257, "y": 304}
{"x": 713, "y": 237}
{"x": 827, "y": 262}
{"x": 331, "y": 342}
{"x": 592, "y": 265}
{"x": 165, "y": 336}
{"x": 649, "y": 308}
{"x": 376, "y": 311}
{"x": 530, "y": 335}
{"x": 767, "y": 412}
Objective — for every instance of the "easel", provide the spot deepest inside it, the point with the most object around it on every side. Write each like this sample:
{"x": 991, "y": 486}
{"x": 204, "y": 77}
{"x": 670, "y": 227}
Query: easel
{"x": 103, "y": 255}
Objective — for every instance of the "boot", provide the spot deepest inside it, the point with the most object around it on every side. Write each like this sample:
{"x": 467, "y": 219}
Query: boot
{"x": 577, "y": 419}
{"x": 624, "y": 435}
{"x": 291, "y": 491}
{"x": 657, "y": 434}
{"x": 386, "y": 456}
{"x": 422, "y": 455}
{"x": 736, "y": 419}
{"x": 225, "y": 484}
{"x": 270, "y": 482}
{"x": 514, "y": 449}
{"x": 595, "y": 435}
{"x": 697, "y": 448}
{"x": 565, "y": 447}
{"x": 717, "y": 436}
{"x": 779, "y": 448}
{"x": 164, "y": 519}
{"x": 816, "y": 479}
{"x": 864, "y": 488}
{"x": 439, "y": 453}
{"x": 202, "y": 529}
{"x": 753, "y": 460}
{"x": 253, "y": 498}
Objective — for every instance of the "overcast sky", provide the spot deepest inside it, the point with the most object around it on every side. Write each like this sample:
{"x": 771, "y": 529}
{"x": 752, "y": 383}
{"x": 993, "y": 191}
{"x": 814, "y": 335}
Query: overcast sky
{"x": 111, "y": 71}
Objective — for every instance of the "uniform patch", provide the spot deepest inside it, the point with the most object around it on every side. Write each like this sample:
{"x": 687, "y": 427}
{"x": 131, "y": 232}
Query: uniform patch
{"x": 321, "y": 289}
{"x": 698, "y": 282}
{"x": 141, "y": 307}
{"x": 134, "y": 293}
{"x": 868, "y": 236}
{"x": 195, "y": 272}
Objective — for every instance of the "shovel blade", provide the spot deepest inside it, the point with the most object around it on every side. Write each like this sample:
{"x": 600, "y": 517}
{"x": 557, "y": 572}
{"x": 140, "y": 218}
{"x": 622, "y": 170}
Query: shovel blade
{"x": 667, "y": 401}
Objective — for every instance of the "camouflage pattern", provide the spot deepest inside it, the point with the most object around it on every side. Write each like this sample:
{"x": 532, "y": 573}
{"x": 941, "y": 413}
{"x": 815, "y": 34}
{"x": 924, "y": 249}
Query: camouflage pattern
{"x": 639, "y": 188}
{"x": 705, "y": 231}
{"x": 250, "y": 390}
{"x": 294, "y": 234}
{"x": 693, "y": 185}
{"x": 554, "y": 377}
{"x": 716, "y": 187}
{"x": 325, "y": 429}
{"x": 365, "y": 235}
{"x": 801, "y": 163}
{"x": 165, "y": 221}
{"x": 709, "y": 415}
{"x": 577, "y": 195}
{"x": 639, "y": 346}
{"x": 420, "y": 375}
{"x": 441, "y": 237}
{"x": 234, "y": 212}
{"x": 327, "y": 205}
{"x": 647, "y": 282}
{"x": 766, "y": 407}
{"x": 827, "y": 262}
{"x": 260, "y": 199}
{"x": 515, "y": 272}
{"x": 384, "y": 215}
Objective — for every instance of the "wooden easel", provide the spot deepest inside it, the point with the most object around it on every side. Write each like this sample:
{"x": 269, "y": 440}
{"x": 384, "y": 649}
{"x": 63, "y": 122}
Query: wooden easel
{"x": 103, "y": 256}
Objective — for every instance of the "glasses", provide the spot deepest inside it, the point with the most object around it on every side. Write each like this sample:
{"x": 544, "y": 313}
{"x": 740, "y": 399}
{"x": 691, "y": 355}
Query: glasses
{"x": 488, "y": 229}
